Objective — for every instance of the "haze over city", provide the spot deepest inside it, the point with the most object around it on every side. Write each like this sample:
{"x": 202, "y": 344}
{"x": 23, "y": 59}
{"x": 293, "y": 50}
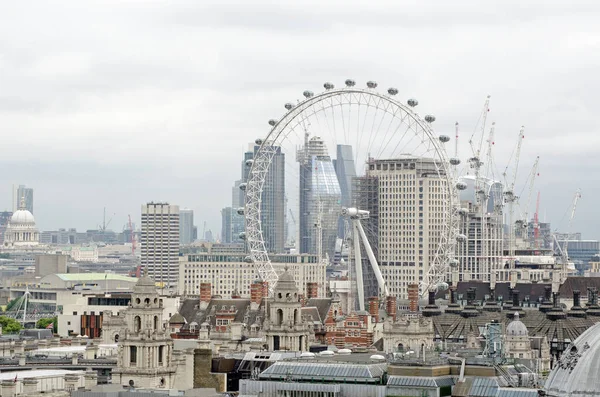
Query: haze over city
{"x": 111, "y": 104}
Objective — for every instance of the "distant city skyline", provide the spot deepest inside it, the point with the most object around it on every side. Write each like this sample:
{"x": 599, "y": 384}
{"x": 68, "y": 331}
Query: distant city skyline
{"x": 81, "y": 106}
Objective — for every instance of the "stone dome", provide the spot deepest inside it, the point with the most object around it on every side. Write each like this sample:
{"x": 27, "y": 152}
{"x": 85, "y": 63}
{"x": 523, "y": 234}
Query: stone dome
{"x": 576, "y": 372}
{"x": 286, "y": 282}
{"x": 516, "y": 327}
{"x": 22, "y": 217}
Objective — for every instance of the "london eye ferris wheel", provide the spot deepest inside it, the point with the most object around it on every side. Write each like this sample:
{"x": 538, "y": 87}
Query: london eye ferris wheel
{"x": 376, "y": 137}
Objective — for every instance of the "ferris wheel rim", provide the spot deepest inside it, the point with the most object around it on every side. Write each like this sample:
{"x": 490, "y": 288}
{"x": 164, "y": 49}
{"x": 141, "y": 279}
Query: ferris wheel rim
{"x": 253, "y": 235}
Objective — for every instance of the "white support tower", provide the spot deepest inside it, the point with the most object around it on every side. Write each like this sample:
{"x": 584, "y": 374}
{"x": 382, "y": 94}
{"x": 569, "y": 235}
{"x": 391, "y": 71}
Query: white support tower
{"x": 358, "y": 235}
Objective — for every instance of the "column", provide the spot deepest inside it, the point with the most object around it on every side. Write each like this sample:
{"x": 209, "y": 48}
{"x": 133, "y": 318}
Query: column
{"x": 29, "y": 386}
{"x": 8, "y": 388}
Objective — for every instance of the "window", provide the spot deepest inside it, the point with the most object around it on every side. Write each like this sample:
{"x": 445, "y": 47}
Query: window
{"x": 161, "y": 354}
{"x": 223, "y": 321}
{"x": 133, "y": 355}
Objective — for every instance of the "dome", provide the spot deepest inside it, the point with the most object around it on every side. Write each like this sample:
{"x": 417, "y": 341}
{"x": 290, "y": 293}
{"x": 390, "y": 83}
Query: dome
{"x": 177, "y": 319}
{"x": 516, "y": 327}
{"x": 286, "y": 282}
{"x": 576, "y": 372}
{"x": 22, "y": 217}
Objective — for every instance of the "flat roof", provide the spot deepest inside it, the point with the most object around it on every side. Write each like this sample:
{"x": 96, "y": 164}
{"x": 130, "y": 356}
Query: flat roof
{"x": 36, "y": 373}
{"x": 94, "y": 277}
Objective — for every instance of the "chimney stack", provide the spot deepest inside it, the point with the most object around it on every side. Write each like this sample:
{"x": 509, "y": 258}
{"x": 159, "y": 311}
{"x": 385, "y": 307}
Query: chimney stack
{"x": 374, "y": 308}
{"x": 577, "y": 310}
{"x": 205, "y": 295}
{"x": 390, "y": 306}
{"x": 312, "y": 290}
{"x": 256, "y": 294}
{"x": 413, "y": 298}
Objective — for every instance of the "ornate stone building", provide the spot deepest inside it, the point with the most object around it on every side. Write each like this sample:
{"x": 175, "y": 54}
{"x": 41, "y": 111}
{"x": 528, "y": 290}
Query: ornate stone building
{"x": 284, "y": 329}
{"x": 21, "y": 231}
{"x": 145, "y": 347}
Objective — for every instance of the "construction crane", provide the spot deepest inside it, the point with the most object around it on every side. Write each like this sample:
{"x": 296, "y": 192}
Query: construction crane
{"x": 524, "y": 222}
{"x": 536, "y": 224}
{"x": 105, "y": 224}
{"x": 293, "y": 221}
{"x": 133, "y": 242}
{"x": 564, "y": 251}
{"x": 510, "y": 197}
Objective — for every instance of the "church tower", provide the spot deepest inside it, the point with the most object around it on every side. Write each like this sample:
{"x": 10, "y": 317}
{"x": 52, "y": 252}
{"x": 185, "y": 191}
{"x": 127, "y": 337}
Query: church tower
{"x": 285, "y": 329}
{"x": 146, "y": 348}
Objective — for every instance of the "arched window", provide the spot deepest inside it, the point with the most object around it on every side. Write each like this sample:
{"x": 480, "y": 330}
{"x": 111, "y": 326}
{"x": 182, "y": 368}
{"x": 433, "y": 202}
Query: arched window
{"x": 137, "y": 324}
{"x": 279, "y": 316}
{"x": 296, "y": 319}
{"x": 133, "y": 355}
{"x": 116, "y": 338}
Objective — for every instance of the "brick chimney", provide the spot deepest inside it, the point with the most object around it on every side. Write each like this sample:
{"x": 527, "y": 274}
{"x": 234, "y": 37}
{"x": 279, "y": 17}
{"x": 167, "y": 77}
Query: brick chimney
{"x": 413, "y": 298}
{"x": 374, "y": 308}
{"x": 312, "y": 290}
{"x": 390, "y": 307}
{"x": 256, "y": 294}
{"x": 205, "y": 295}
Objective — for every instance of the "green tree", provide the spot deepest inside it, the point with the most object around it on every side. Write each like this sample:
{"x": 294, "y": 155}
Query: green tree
{"x": 9, "y": 325}
{"x": 13, "y": 304}
{"x": 44, "y": 322}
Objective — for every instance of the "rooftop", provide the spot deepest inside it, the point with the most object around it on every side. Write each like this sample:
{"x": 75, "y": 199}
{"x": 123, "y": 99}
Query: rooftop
{"x": 94, "y": 277}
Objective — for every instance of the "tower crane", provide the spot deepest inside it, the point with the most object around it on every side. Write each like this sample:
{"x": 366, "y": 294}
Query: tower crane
{"x": 524, "y": 222}
{"x": 133, "y": 242}
{"x": 510, "y": 197}
{"x": 564, "y": 253}
{"x": 536, "y": 224}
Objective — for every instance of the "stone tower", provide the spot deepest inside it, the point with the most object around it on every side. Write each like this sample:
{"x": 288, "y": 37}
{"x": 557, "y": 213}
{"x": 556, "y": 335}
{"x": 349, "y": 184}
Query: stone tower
{"x": 285, "y": 329}
{"x": 145, "y": 348}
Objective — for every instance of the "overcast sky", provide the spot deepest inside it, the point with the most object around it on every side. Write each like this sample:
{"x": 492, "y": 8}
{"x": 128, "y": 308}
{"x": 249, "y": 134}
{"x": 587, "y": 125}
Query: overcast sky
{"x": 115, "y": 103}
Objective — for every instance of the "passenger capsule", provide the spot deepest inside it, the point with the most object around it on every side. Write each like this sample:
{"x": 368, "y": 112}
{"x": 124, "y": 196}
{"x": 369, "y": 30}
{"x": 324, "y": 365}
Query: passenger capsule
{"x": 258, "y": 141}
{"x": 461, "y": 186}
{"x": 243, "y": 186}
{"x": 412, "y": 102}
{"x": 463, "y": 211}
{"x": 444, "y": 138}
{"x": 392, "y": 91}
{"x": 453, "y": 262}
{"x": 372, "y": 84}
{"x": 242, "y": 235}
{"x": 328, "y": 86}
{"x": 308, "y": 94}
{"x": 350, "y": 83}
{"x": 289, "y": 106}
{"x": 430, "y": 118}
{"x": 442, "y": 286}
{"x": 248, "y": 259}
{"x": 240, "y": 211}
{"x": 454, "y": 161}
{"x": 249, "y": 162}
{"x": 461, "y": 238}
{"x": 272, "y": 122}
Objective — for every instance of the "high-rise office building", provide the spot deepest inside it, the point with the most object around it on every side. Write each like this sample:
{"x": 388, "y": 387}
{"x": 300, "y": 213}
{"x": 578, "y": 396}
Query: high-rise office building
{"x": 320, "y": 199}
{"x": 273, "y": 202}
{"x": 160, "y": 243}
{"x": 346, "y": 172}
{"x": 232, "y": 224}
{"x": 22, "y": 192}
{"x": 186, "y": 226}
{"x": 409, "y": 210}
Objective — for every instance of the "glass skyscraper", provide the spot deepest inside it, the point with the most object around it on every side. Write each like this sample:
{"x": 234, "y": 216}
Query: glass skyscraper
{"x": 320, "y": 198}
{"x": 346, "y": 172}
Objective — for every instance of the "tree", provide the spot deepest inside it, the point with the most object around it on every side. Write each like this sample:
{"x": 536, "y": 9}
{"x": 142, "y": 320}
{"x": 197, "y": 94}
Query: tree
{"x": 9, "y": 325}
{"x": 44, "y": 322}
